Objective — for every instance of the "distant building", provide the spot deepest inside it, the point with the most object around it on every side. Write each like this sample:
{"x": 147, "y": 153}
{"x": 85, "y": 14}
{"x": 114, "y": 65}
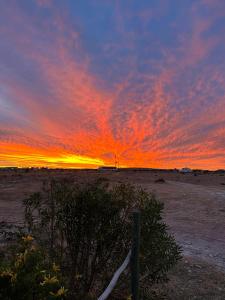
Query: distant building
{"x": 185, "y": 170}
{"x": 103, "y": 169}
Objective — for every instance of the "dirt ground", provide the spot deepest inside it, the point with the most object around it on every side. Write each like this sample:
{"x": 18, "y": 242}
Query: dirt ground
{"x": 194, "y": 211}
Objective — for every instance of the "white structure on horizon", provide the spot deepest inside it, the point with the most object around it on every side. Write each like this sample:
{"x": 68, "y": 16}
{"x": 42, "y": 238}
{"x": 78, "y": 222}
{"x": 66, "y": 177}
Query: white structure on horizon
{"x": 185, "y": 170}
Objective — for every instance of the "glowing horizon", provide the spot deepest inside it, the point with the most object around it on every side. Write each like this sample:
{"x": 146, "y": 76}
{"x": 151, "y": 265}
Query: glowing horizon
{"x": 83, "y": 81}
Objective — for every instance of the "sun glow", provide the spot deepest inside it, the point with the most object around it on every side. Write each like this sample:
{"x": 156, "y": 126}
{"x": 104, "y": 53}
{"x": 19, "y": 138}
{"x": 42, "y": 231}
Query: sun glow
{"x": 25, "y": 156}
{"x": 38, "y": 160}
{"x": 75, "y": 159}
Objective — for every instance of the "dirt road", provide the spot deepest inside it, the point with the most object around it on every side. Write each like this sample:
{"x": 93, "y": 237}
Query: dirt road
{"x": 196, "y": 216}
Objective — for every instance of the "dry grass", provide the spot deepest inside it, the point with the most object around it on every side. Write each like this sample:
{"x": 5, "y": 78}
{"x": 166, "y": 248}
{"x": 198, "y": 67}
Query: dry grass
{"x": 194, "y": 279}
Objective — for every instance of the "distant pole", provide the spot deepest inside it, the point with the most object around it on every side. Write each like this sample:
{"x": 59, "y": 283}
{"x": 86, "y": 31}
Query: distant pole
{"x": 115, "y": 161}
{"x": 135, "y": 255}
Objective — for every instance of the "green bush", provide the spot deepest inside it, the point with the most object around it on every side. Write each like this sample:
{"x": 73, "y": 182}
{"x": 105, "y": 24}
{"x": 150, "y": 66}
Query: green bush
{"x": 25, "y": 277}
{"x": 86, "y": 229}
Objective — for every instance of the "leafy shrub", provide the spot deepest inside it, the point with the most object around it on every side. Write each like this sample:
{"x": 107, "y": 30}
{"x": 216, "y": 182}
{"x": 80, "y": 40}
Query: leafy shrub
{"x": 86, "y": 229}
{"x": 97, "y": 230}
{"x": 24, "y": 276}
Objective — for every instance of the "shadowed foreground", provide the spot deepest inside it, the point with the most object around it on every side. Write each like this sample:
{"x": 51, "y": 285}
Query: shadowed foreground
{"x": 194, "y": 210}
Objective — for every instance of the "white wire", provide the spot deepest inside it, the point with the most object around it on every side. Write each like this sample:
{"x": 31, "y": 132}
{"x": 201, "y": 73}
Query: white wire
{"x": 115, "y": 278}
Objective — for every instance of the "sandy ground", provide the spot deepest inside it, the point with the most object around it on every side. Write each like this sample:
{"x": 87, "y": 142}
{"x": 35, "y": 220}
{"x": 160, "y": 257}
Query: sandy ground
{"x": 196, "y": 216}
{"x": 194, "y": 211}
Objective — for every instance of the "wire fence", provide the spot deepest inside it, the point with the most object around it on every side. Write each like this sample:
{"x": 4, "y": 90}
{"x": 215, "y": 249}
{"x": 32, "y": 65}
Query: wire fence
{"x": 115, "y": 278}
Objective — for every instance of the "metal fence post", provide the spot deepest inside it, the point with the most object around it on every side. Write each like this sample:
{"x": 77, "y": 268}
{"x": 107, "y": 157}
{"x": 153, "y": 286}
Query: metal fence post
{"x": 135, "y": 255}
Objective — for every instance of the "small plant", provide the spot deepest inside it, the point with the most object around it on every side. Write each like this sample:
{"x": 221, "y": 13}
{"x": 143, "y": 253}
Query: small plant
{"x": 25, "y": 277}
{"x": 160, "y": 180}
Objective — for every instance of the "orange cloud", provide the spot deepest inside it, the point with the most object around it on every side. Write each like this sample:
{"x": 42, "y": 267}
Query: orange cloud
{"x": 68, "y": 115}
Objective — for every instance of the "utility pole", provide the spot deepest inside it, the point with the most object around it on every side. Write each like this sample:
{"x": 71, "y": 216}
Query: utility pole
{"x": 116, "y": 162}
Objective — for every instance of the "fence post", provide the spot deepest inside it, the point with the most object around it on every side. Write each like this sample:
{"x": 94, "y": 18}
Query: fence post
{"x": 135, "y": 255}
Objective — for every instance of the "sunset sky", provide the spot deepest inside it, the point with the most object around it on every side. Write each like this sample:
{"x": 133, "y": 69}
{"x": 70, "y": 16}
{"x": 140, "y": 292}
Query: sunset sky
{"x": 84, "y": 80}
